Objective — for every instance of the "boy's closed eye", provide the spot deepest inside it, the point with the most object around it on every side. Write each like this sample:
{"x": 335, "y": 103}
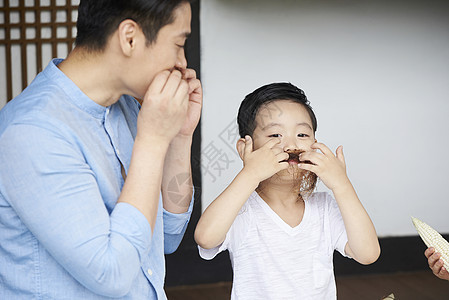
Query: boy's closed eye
{"x": 301, "y": 135}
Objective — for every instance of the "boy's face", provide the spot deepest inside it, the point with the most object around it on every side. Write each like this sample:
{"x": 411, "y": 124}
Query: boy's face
{"x": 288, "y": 121}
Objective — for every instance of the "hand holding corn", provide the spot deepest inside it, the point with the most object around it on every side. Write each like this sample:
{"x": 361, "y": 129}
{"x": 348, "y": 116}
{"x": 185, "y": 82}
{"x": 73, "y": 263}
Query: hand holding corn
{"x": 436, "y": 264}
{"x": 438, "y": 252}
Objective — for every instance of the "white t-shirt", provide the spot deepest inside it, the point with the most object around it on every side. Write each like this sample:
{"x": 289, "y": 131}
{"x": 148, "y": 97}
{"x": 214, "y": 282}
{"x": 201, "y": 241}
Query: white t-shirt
{"x": 272, "y": 260}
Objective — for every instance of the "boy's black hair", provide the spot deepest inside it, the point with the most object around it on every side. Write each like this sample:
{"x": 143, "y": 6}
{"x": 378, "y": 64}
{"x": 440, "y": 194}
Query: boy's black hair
{"x": 250, "y": 106}
{"x": 98, "y": 19}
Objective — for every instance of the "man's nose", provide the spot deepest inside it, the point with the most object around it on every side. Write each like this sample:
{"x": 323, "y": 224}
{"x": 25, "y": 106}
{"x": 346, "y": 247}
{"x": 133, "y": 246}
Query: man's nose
{"x": 181, "y": 62}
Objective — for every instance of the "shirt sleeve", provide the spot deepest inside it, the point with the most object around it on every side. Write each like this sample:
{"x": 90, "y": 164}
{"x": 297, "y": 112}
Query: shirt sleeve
{"x": 175, "y": 226}
{"x": 47, "y": 181}
{"x": 338, "y": 231}
{"x": 235, "y": 235}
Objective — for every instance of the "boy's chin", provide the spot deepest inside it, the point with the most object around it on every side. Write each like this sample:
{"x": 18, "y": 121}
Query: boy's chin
{"x": 301, "y": 181}
{"x": 292, "y": 170}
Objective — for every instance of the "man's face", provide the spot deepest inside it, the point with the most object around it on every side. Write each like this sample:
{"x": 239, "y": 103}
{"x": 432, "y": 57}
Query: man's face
{"x": 166, "y": 52}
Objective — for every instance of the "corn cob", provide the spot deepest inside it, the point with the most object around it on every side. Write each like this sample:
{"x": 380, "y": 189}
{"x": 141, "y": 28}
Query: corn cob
{"x": 433, "y": 239}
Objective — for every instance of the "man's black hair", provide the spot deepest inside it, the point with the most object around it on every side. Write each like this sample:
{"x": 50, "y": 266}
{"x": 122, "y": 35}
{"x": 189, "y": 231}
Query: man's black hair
{"x": 250, "y": 106}
{"x": 98, "y": 19}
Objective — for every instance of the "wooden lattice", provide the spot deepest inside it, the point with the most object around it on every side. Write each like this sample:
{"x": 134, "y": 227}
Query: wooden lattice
{"x": 38, "y": 23}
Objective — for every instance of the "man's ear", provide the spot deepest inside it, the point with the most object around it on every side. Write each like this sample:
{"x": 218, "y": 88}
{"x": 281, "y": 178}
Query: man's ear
{"x": 240, "y": 147}
{"x": 128, "y": 34}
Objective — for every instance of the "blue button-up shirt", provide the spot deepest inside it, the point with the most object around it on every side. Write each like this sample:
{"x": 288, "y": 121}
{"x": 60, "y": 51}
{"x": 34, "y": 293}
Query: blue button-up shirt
{"x": 62, "y": 235}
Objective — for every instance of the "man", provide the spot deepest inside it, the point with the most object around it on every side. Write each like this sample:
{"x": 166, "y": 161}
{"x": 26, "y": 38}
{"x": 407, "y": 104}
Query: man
{"x": 87, "y": 202}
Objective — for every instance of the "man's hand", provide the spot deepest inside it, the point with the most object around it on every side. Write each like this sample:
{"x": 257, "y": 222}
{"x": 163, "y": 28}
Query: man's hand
{"x": 436, "y": 264}
{"x": 194, "y": 105}
{"x": 177, "y": 161}
{"x": 330, "y": 168}
{"x": 160, "y": 118}
{"x": 265, "y": 161}
{"x": 164, "y": 107}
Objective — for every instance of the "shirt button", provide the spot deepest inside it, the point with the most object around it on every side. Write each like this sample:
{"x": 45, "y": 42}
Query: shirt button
{"x": 150, "y": 272}
{"x": 118, "y": 152}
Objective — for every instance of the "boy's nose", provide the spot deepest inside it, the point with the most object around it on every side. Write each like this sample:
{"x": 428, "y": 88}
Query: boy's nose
{"x": 289, "y": 144}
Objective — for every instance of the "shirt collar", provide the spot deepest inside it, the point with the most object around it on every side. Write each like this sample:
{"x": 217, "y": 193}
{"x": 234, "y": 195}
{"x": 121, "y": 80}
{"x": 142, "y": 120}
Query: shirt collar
{"x": 75, "y": 95}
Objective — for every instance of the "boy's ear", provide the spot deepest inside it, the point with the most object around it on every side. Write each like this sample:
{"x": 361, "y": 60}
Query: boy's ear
{"x": 240, "y": 147}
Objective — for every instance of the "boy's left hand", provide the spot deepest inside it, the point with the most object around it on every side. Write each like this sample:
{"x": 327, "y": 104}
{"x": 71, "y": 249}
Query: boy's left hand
{"x": 330, "y": 168}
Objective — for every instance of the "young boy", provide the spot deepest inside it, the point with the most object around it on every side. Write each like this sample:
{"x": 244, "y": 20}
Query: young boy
{"x": 280, "y": 235}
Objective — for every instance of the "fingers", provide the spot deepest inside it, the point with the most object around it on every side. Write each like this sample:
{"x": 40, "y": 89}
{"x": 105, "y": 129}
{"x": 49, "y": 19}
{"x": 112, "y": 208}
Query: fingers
{"x": 273, "y": 142}
{"x": 308, "y": 167}
{"x": 194, "y": 83}
{"x": 158, "y": 82}
{"x": 174, "y": 82}
{"x": 195, "y": 86}
{"x": 438, "y": 267}
{"x": 339, "y": 154}
{"x": 435, "y": 262}
{"x": 169, "y": 83}
{"x": 195, "y": 91}
{"x": 282, "y": 165}
{"x": 182, "y": 92}
{"x": 327, "y": 152}
{"x": 311, "y": 156}
{"x": 188, "y": 73}
{"x": 282, "y": 157}
{"x": 270, "y": 146}
{"x": 317, "y": 158}
{"x": 248, "y": 145}
{"x": 323, "y": 148}
{"x": 429, "y": 251}
{"x": 433, "y": 259}
{"x": 310, "y": 160}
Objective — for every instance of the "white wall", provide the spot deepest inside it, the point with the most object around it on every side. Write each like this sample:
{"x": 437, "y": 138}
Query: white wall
{"x": 377, "y": 76}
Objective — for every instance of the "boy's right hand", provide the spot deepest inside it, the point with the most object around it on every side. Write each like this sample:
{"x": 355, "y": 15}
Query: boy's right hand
{"x": 436, "y": 264}
{"x": 265, "y": 161}
{"x": 164, "y": 107}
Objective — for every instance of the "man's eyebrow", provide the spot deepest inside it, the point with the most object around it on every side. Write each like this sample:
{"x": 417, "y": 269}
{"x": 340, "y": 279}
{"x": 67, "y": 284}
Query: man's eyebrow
{"x": 185, "y": 34}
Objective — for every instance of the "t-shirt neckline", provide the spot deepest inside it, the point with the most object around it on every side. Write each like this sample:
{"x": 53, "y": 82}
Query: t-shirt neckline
{"x": 279, "y": 221}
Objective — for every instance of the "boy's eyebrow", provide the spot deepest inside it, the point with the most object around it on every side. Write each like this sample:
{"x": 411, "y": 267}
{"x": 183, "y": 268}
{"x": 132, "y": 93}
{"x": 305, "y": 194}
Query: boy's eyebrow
{"x": 280, "y": 125}
{"x": 270, "y": 125}
{"x": 304, "y": 124}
